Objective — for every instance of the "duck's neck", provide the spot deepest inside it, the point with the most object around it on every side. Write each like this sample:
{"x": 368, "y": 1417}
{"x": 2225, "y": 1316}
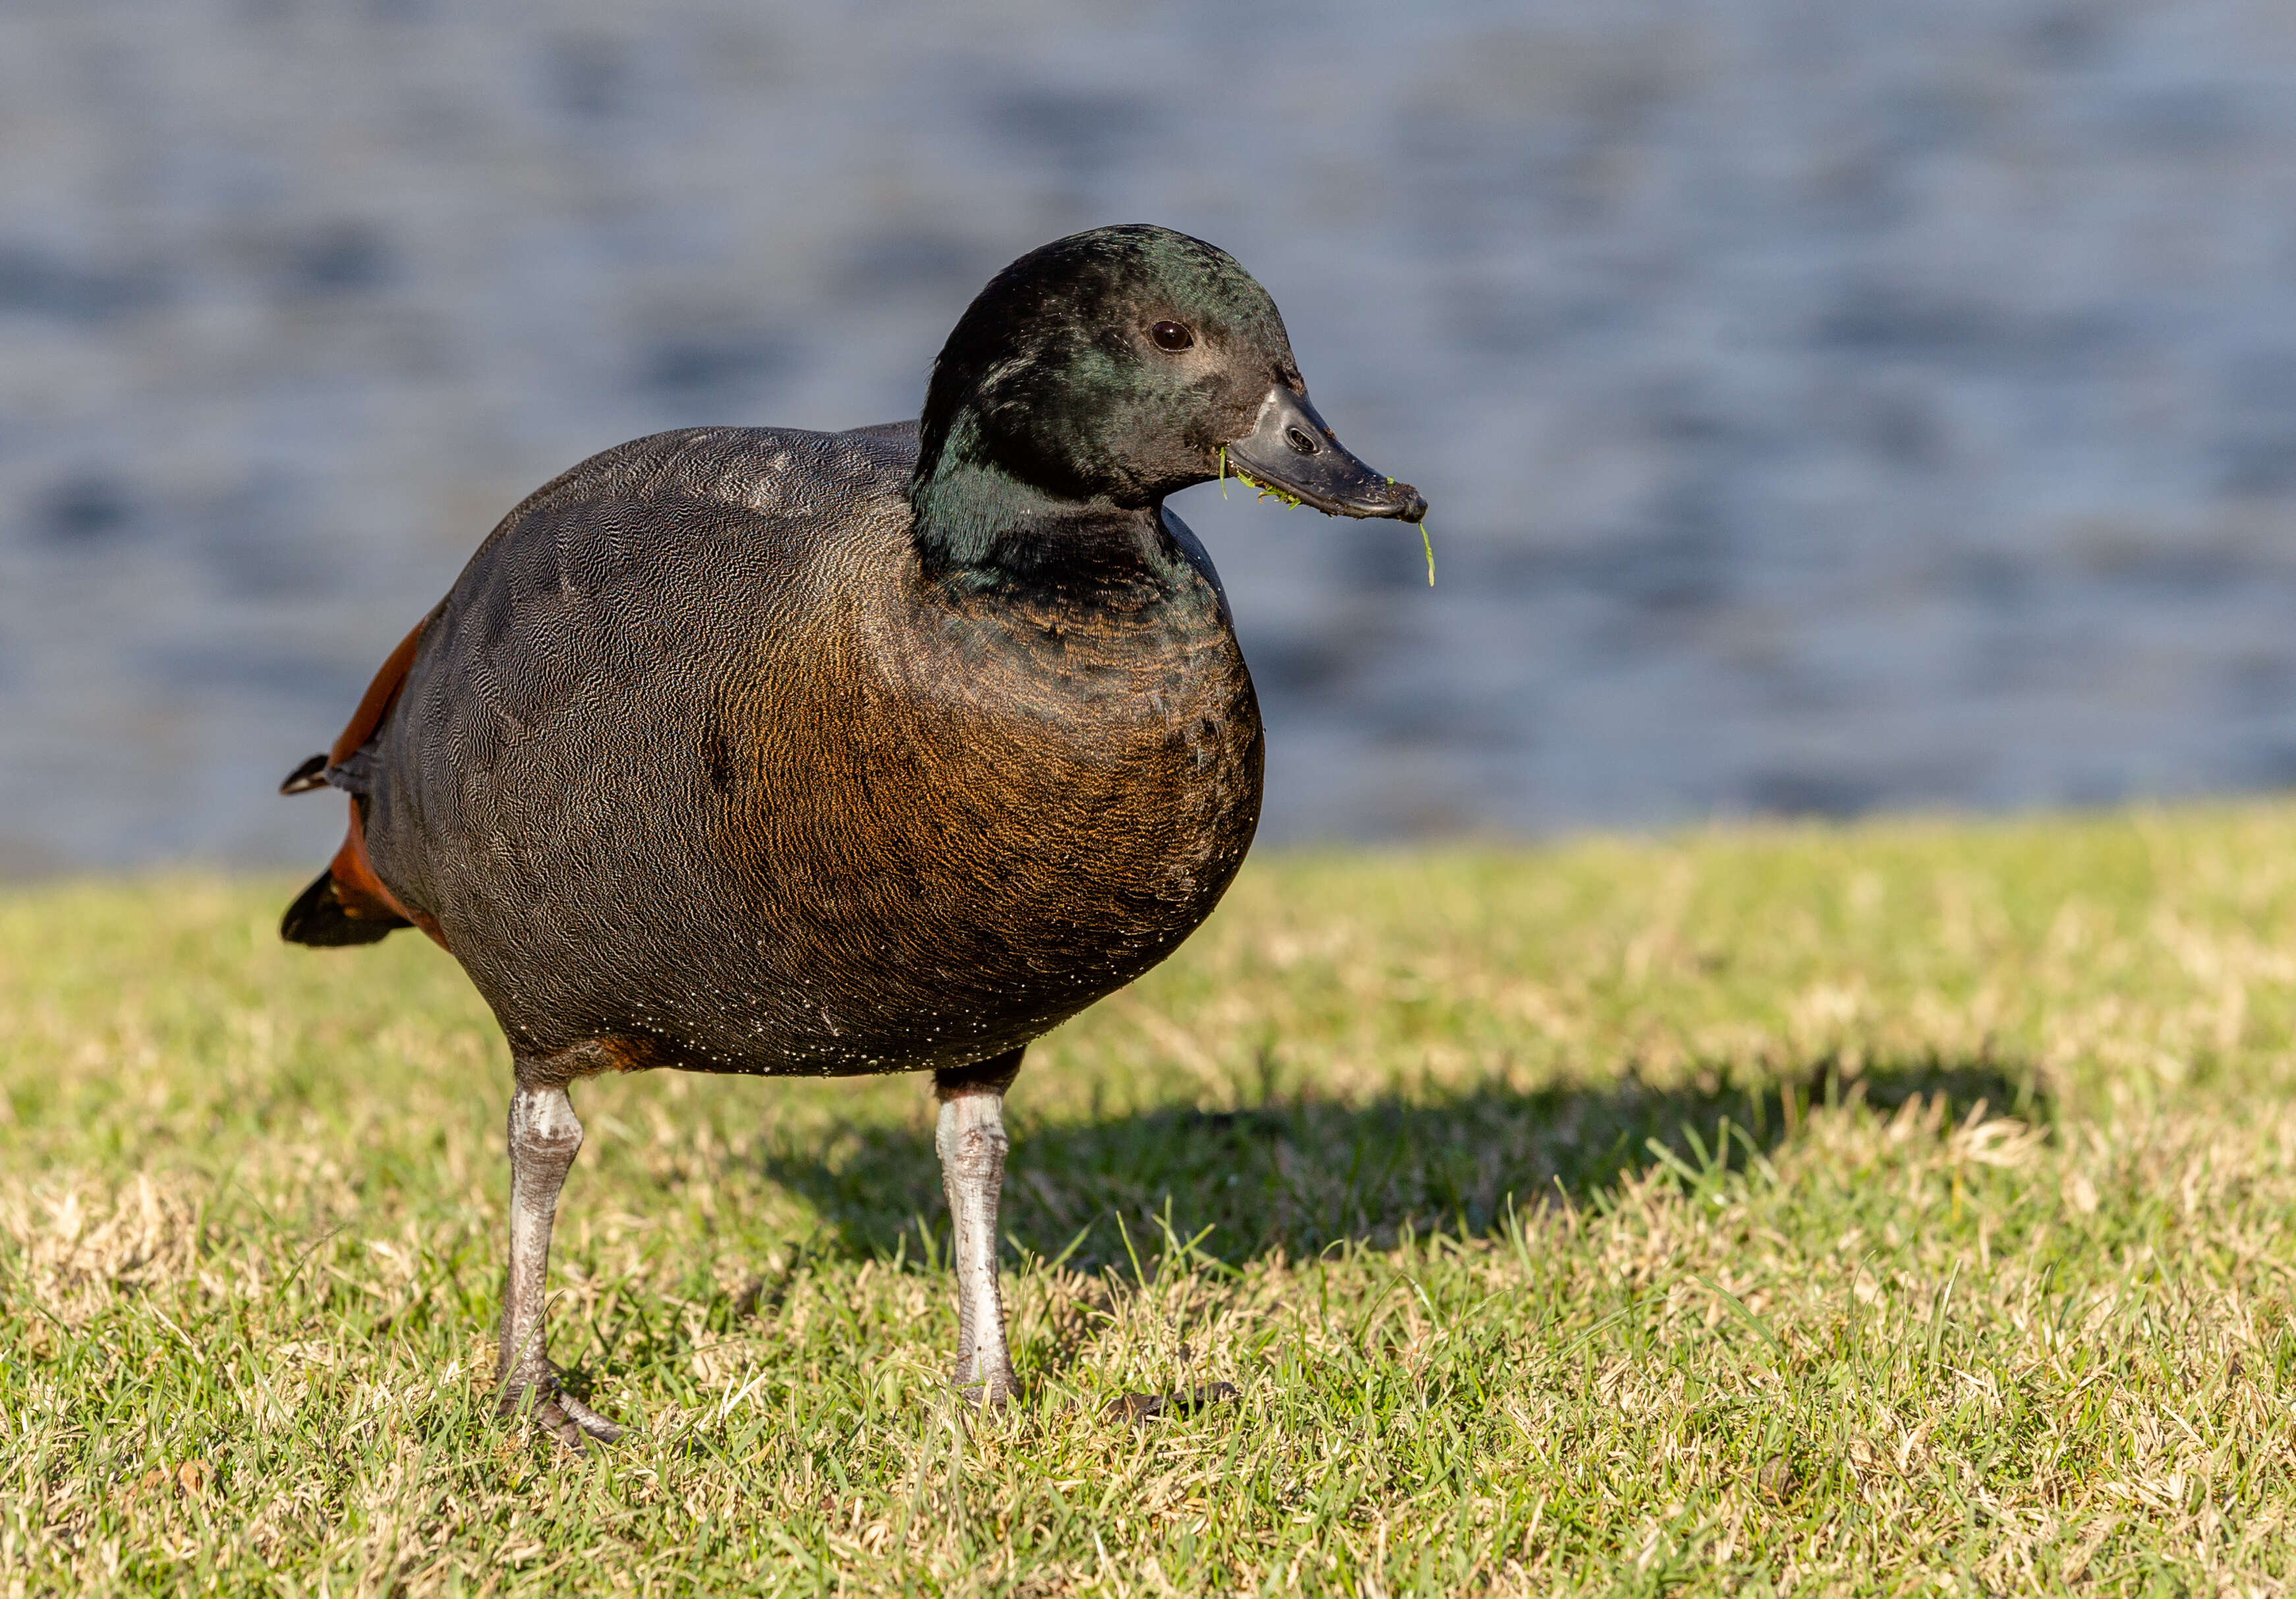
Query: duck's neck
{"x": 979, "y": 528}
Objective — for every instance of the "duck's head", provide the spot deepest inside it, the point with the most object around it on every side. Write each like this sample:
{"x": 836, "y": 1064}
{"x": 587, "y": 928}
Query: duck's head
{"x": 1125, "y": 364}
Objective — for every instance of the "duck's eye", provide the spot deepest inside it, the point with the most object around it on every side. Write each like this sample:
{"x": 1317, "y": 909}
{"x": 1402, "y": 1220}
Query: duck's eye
{"x": 1171, "y": 335}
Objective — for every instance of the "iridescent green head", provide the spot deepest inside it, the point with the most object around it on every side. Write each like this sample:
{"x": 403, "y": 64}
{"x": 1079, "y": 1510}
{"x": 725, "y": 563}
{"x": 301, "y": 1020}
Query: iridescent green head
{"x": 1120, "y": 365}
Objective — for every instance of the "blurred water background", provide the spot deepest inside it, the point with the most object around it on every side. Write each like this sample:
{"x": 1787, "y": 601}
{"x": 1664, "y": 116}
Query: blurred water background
{"x": 1824, "y": 406}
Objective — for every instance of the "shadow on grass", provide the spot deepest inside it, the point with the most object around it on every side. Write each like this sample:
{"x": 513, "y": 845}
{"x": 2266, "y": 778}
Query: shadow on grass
{"x": 1303, "y": 1175}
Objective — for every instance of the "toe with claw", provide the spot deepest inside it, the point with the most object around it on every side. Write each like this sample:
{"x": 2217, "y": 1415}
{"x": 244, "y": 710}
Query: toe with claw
{"x": 559, "y": 1412}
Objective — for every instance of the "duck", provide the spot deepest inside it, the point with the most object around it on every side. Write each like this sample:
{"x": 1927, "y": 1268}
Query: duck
{"x": 792, "y": 753}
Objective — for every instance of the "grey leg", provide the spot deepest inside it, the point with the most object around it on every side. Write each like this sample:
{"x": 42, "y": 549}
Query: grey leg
{"x": 971, "y": 1144}
{"x": 543, "y": 1139}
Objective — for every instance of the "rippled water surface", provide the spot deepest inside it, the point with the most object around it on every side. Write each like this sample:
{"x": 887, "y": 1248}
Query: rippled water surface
{"x": 1824, "y": 406}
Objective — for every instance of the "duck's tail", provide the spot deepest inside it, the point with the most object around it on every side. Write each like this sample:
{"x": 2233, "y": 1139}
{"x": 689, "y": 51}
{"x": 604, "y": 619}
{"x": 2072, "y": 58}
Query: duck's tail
{"x": 320, "y": 917}
{"x": 347, "y": 903}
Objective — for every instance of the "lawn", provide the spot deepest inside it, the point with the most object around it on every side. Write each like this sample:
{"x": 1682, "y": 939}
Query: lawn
{"x": 1904, "y": 1208}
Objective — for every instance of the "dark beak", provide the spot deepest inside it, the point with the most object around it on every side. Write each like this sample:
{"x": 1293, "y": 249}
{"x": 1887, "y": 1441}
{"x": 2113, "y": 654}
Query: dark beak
{"x": 1290, "y": 450}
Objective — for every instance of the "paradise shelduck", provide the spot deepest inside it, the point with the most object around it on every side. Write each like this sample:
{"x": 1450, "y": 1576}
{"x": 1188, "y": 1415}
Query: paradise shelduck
{"x": 760, "y": 751}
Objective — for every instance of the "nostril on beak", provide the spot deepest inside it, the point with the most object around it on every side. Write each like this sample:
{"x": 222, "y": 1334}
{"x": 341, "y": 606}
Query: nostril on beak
{"x": 1298, "y": 440}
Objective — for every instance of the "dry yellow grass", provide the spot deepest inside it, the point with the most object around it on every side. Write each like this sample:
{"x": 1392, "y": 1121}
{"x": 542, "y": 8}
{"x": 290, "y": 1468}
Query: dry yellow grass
{"x": 1903, "y": 1209}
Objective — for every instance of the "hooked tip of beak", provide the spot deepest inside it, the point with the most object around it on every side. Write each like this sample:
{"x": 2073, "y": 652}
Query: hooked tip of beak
{"x": 1413, "y": 506}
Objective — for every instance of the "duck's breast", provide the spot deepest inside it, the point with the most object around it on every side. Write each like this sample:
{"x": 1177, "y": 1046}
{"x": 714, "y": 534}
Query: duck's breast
{"x": 991, "y": 816}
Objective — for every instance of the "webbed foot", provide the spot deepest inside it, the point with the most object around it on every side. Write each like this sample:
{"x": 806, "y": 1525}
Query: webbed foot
{"x": 990, "y": 1391}
{"x": 559, "y": 1412}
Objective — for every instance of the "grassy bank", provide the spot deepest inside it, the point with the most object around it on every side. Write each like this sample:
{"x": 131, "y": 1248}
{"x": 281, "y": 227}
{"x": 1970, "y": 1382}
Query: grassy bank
{"x": 1901, "y": 1208}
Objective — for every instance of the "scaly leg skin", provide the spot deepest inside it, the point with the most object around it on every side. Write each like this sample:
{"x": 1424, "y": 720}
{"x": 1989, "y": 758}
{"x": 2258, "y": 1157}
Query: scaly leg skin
{"x": 543, "y": 1139}
{"x": 971, "y": 1144}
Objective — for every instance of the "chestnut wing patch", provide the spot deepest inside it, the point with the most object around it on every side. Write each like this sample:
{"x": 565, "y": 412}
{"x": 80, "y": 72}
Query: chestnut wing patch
{"x": 376, "y": 702}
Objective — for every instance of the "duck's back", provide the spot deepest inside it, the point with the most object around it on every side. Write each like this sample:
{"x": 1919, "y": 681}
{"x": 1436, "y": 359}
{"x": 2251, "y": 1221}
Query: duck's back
{"x": 694, "y": 767}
